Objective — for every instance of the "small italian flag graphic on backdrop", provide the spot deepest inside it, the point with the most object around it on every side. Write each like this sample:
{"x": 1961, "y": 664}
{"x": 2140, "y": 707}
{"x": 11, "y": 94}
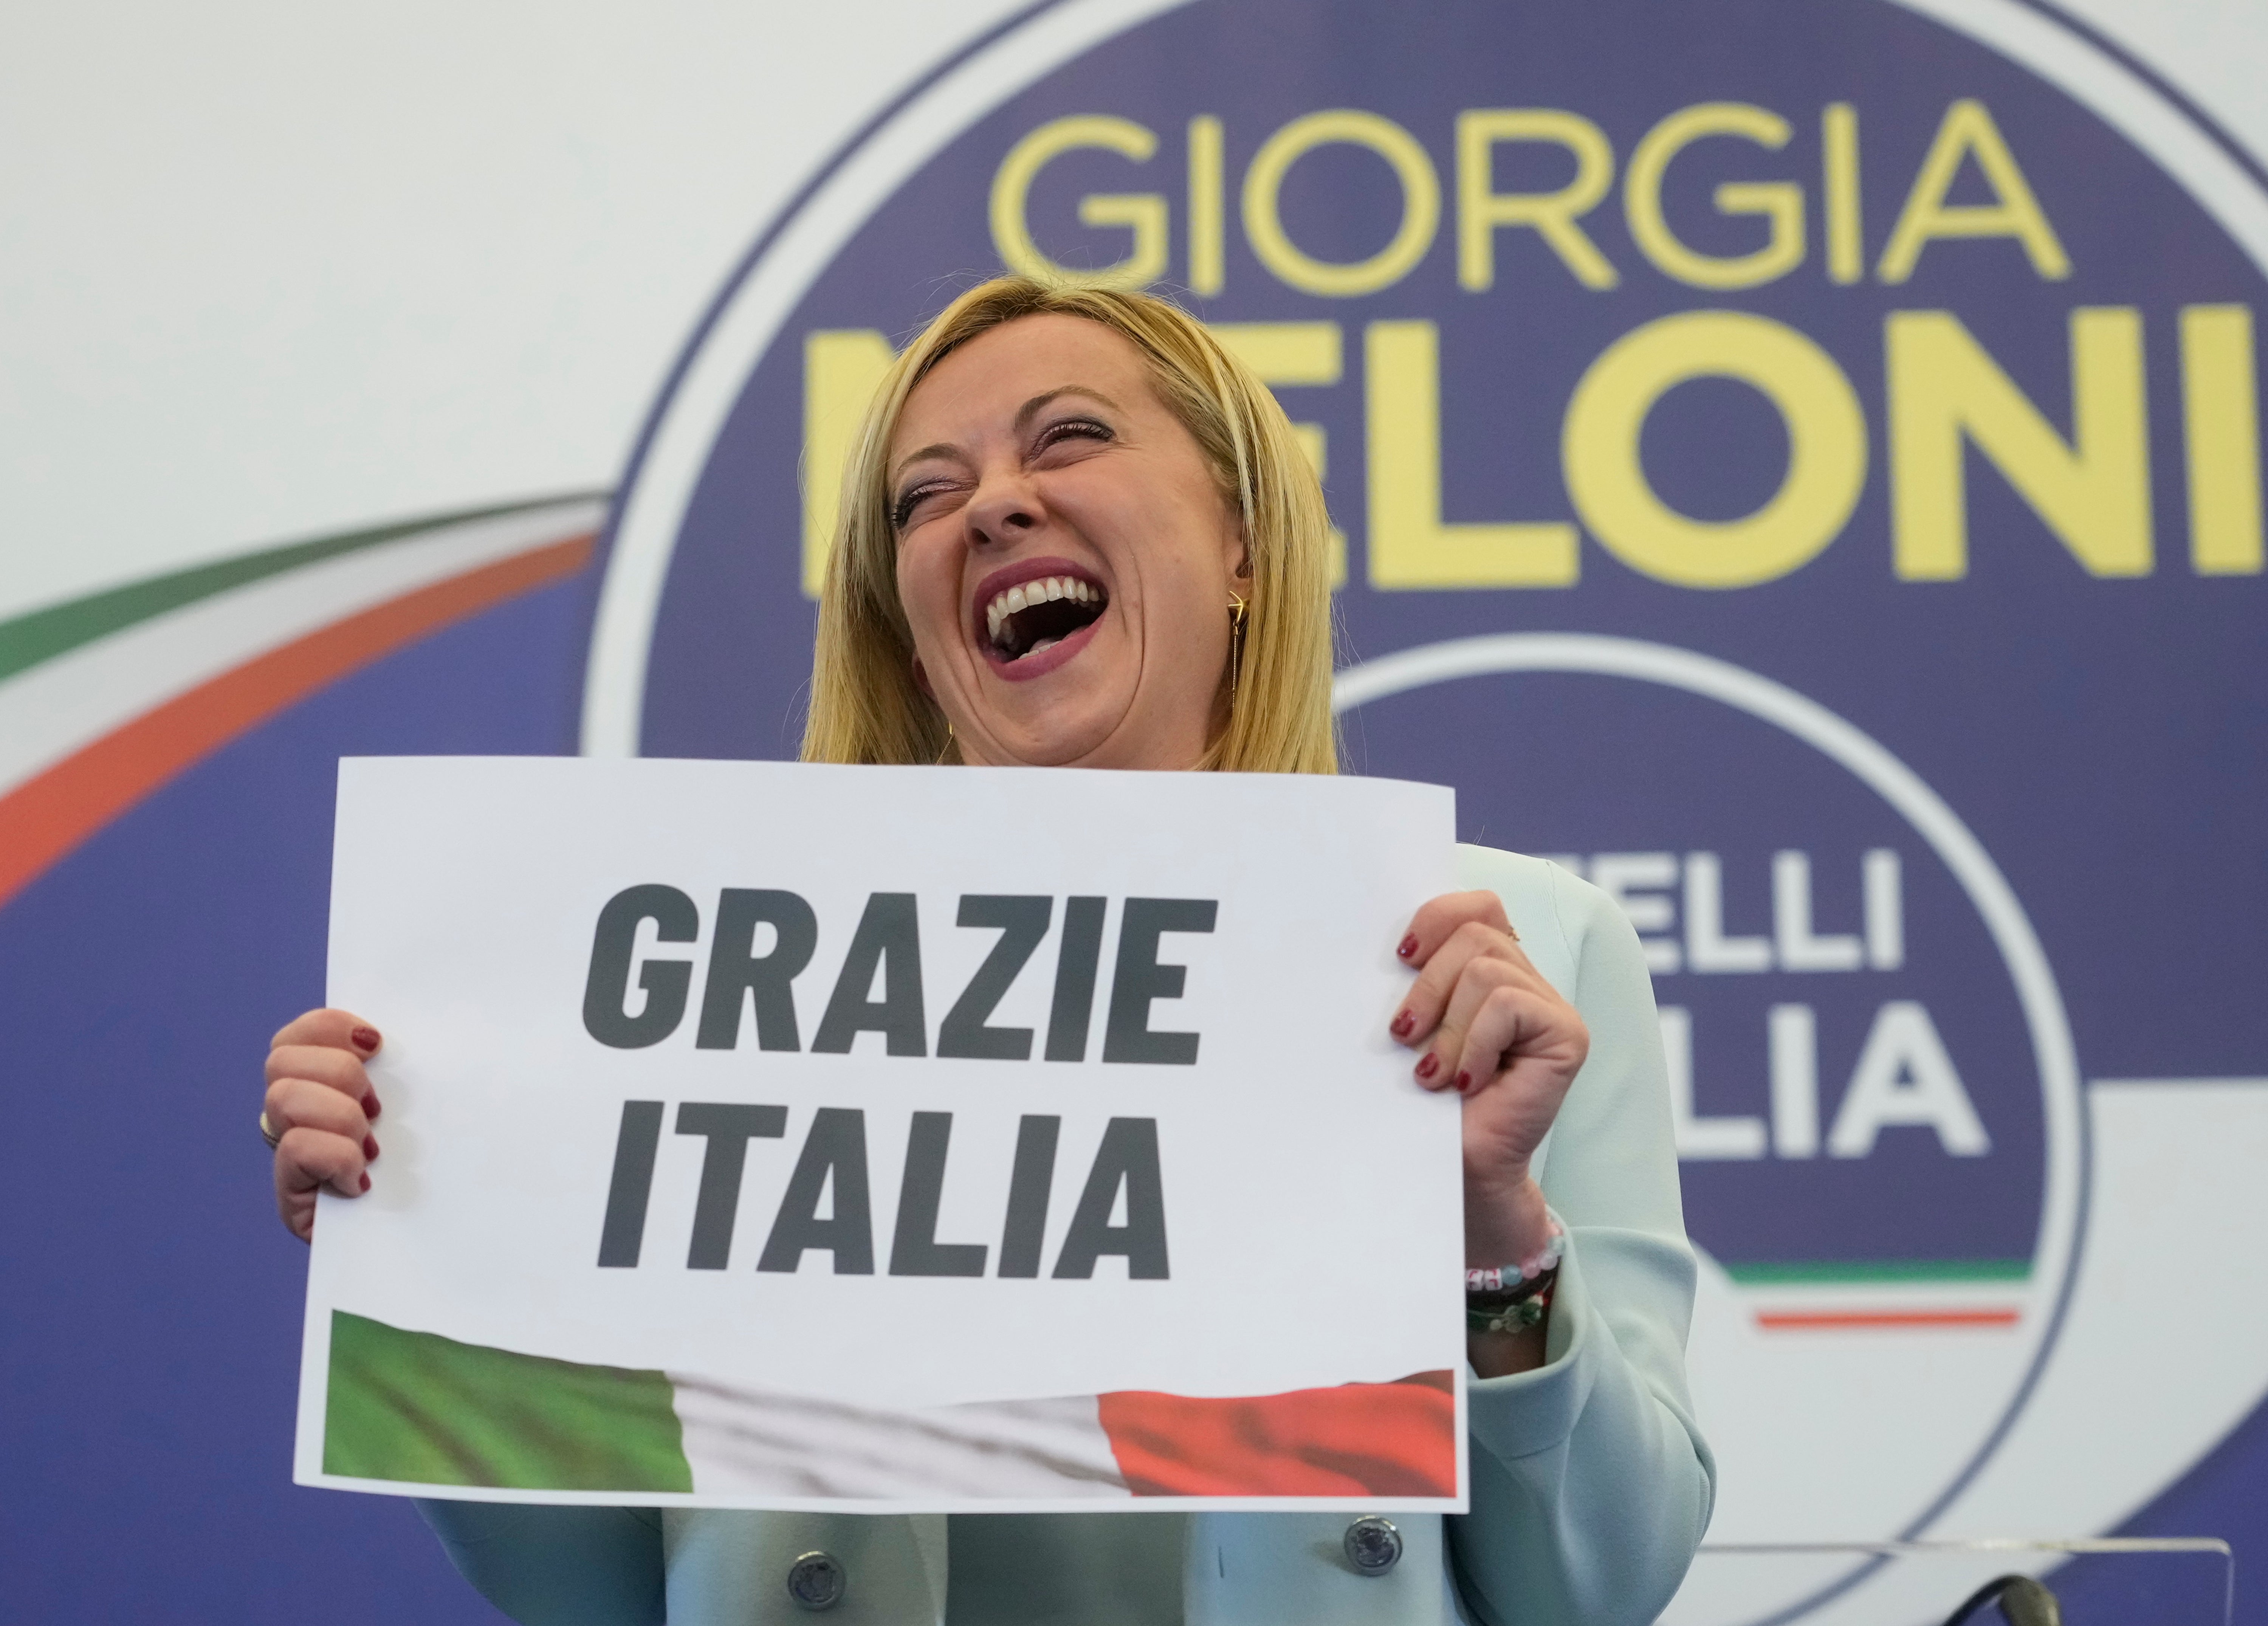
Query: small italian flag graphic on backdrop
{"x": 421, "y": 1409}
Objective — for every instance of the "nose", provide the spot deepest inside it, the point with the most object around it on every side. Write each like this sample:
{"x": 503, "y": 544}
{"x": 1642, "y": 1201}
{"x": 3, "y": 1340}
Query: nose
{"x": 1004, "y": 507}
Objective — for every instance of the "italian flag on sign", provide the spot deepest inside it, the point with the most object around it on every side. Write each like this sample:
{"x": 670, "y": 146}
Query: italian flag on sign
{"x": 416, "y": 1408}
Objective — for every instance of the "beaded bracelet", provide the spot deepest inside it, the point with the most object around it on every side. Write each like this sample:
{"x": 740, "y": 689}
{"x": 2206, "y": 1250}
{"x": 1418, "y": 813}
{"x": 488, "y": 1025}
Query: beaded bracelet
{"x": 1517, "y": 1316}
{"x": 1503, "y": 1278}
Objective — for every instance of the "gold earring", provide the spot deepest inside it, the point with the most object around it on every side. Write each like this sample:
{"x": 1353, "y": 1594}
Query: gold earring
{"x": 946, "y": 747}
{"x": 1236, "y": 608}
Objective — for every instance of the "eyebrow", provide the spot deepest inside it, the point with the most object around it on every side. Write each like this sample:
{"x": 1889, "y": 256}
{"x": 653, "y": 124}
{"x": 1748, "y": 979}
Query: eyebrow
{"x": 1024, "y": 413}
{"x": 1031, "y": 408}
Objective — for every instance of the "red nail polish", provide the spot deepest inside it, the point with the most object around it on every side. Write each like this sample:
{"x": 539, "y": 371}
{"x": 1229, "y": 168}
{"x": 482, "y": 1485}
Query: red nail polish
{"x": 369, "y": 1146}
{"x": 1402, "y": 1024}
{"x": 365, "y": 1039}
{"x": 371, "y": 1109}
{"x": 1428, "y": 1065}
{"x": 366, "y": 1183}
{"x": 1464, "y": 1083}
{"x": 1409, "y": 945}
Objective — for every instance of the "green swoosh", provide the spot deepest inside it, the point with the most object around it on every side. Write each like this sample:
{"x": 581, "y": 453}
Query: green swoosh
{"x": 1857, "y": 1272}
{"x": 42, "y": 635}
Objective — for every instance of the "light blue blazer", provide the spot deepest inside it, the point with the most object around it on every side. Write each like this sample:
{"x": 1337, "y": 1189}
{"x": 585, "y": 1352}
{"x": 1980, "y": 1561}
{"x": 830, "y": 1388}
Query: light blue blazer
{"x": 1591, "y": 1484}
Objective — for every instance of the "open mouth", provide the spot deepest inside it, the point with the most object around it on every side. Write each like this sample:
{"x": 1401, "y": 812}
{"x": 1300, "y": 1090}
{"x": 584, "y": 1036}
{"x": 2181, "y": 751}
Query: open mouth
{"x": 1036, "y": 615}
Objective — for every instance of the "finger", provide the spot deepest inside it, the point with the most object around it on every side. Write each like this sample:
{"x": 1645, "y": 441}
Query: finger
{"x": 1422, "y": 1007}
{"x": 1480, "y": 979}
{"x": 1437, "y": 919}
{"x": 1483, "y": 978}
{"x": 302, "y": 1104}
{"x": 1515, "y": 1027}
{"x": 309, "y": 1160}
{"x": 341, "y": 1070}
{"x": 298, "y": 1211}
{"x": 337, "y": 1030}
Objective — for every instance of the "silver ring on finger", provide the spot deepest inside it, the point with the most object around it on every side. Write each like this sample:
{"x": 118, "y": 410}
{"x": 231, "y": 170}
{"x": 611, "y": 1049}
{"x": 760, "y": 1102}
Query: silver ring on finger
{"x": 268, "y": 1132}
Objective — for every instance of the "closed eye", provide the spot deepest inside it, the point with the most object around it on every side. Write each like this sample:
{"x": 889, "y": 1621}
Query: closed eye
{"x": 902, "y": 511}
{"x": 1069, "y": 429}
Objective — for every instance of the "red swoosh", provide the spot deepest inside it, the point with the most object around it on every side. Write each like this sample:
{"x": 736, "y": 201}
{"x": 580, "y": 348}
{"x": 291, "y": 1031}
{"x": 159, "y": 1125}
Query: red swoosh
{"x": 48, "y": 816}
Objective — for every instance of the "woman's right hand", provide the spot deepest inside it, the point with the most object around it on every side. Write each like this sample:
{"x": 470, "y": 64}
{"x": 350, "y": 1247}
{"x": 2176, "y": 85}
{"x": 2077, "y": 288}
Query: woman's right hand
{"x": 321, "y": 1108}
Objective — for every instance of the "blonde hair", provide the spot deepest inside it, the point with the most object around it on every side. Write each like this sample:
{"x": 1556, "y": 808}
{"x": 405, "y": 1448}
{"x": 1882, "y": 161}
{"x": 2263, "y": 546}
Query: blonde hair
{"x": 866, "y": 706}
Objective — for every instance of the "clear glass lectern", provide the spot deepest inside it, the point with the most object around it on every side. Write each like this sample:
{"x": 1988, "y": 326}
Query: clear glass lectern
{"x": 2096, "y": 1582}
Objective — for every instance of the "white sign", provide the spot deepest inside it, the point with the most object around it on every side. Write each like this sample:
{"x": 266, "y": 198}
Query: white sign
{"x": 779, "y": 1136}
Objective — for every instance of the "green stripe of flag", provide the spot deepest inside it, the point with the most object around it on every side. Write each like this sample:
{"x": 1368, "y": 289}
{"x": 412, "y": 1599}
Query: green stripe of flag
{"x": 1836, "y": 1272}
{"x": 42, "y": 635}
{"x": 417, "y": 1407}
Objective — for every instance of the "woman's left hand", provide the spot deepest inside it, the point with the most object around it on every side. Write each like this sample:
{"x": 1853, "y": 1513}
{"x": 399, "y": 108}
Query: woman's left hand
{"x": 1487, "y": 1024}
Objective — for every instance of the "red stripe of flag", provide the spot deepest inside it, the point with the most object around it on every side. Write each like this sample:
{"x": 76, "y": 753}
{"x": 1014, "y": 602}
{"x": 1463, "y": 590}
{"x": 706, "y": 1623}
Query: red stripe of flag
{"x": 1782, "y": 1320}
{"x": 1397, "y": 1439}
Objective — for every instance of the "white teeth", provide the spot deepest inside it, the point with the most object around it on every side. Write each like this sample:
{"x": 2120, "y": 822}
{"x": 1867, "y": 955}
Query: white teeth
{"x": 1043, "y": 590}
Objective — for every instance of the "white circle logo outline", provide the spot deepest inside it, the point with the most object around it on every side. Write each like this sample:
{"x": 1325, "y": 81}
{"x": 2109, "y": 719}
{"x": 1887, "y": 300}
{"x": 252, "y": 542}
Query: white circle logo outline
{"x": 2063, "y": 1210}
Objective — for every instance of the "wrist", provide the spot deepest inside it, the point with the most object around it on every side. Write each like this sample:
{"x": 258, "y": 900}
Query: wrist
{"x": 1504, "y": 1222}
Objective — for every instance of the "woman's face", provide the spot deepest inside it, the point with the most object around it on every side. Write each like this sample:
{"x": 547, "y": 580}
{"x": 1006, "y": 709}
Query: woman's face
{"x": 1065, "y": 558}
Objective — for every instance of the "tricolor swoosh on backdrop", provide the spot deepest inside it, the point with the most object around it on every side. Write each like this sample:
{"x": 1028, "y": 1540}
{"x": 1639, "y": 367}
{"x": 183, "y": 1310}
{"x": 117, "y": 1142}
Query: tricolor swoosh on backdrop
{"x": 106, "y": 698}
{"x": 1930, "y": 1295}
{"x": 417, "y": 1408}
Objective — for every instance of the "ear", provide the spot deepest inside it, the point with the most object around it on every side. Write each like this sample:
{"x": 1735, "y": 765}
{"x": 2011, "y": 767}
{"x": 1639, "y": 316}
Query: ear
{"x": 1238, "y": 557}
{"x": 921, "y": 680}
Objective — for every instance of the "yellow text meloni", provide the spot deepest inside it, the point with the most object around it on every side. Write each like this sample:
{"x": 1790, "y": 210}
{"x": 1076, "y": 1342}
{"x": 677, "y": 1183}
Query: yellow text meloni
{"x": 1945, "y": 396}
